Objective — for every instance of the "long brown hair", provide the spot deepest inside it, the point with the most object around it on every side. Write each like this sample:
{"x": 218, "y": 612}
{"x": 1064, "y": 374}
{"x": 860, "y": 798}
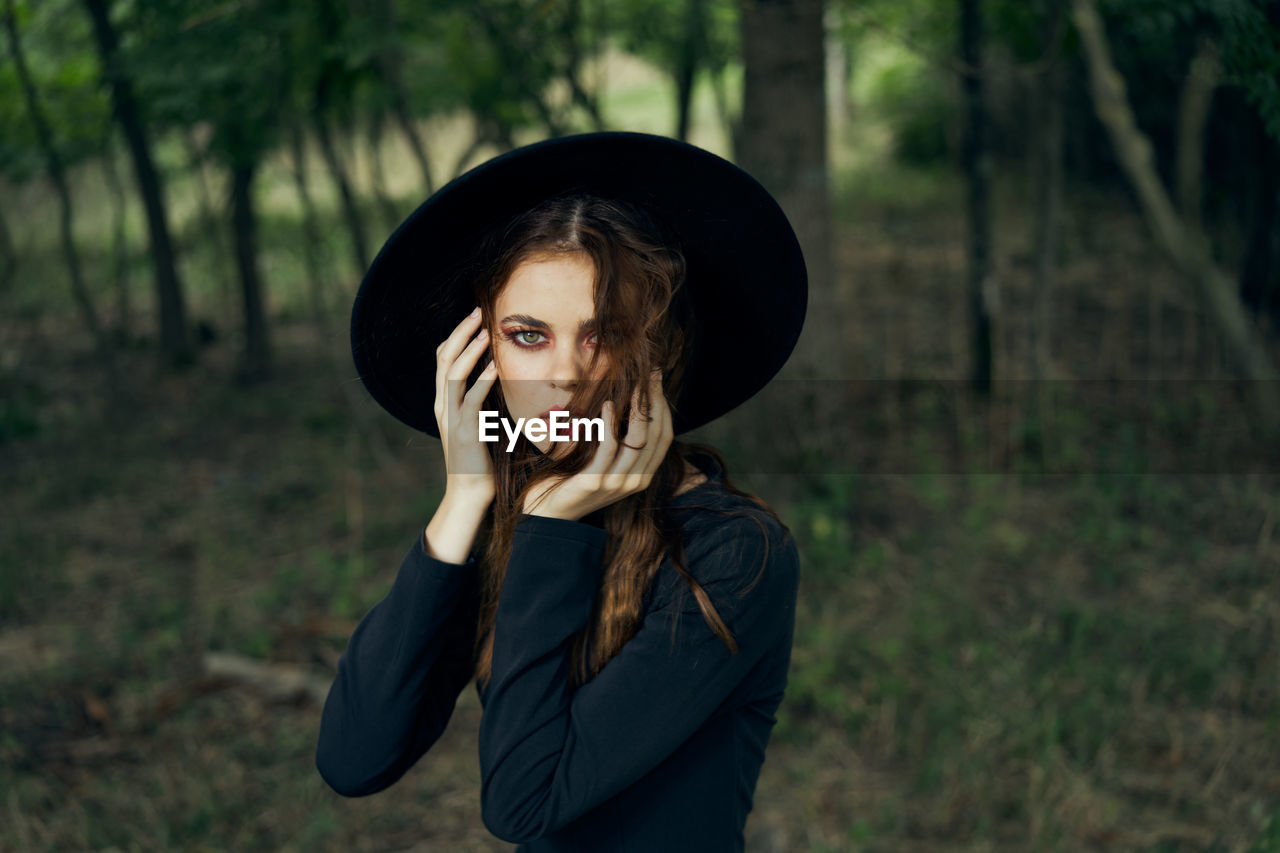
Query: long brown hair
{"x": 644, "y": 323}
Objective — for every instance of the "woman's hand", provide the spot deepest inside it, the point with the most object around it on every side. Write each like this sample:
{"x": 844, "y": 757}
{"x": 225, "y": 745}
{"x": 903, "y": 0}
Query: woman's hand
{"x": 616, "y": 470}
{"x": 468, "y": 468}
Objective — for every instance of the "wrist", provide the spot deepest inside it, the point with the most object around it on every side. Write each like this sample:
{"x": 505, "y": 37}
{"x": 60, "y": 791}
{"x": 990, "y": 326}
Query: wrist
{"x": 546, "y": 509}
{"x": 462, "y": 494}
{"x": 452, "y": 530}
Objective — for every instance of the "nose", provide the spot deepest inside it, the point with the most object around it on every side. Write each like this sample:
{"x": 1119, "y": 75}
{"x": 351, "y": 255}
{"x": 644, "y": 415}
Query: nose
{"x": 568, "y": 367}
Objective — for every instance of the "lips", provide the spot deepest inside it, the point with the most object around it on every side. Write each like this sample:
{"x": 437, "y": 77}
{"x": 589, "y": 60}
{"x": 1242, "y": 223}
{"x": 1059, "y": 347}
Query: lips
{"x": 546, "y": 416}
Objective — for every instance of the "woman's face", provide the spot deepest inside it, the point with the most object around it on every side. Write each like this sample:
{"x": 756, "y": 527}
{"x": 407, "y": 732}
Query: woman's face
{"x": 545, "y": 321}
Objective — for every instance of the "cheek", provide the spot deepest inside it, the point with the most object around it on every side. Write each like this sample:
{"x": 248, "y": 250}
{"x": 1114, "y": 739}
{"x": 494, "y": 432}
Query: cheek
{"x": 516, "y": 375}
{"x": 515, "y": 364}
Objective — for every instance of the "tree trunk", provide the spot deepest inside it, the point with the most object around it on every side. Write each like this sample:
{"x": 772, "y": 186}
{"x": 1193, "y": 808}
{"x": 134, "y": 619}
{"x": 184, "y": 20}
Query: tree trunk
{"x": 982, "y": 286}
{"x": 214, "y": 229}
{"x": 783, "y": 143}
{"x": 692, "y": 47}
{"x": 8, "y": 254}
{"x": 310, "y": 233}
{"x": 730, "y": 122}
{"x": 1188, "y": 249}
{"x": 403, "y": 120}
{"x": 1259, "y": 275}
{"x": 377, "y": 175}
{"x": 174, "y": 339}
{"x": 510, "y": 42}
{"x": 53, "y": 165}
{"x": 1193, "y": 116}
{"x": 256, "y": 360}
{"x": 1049, "y": 126}
{"x": 573, "y": 62}
{"x": 350, "y": 212}
{"x": 119, "y": 242}
{"x": 337, "y": 351}
{"x": 389, "y": 61}
{"x": 838, "y": 73}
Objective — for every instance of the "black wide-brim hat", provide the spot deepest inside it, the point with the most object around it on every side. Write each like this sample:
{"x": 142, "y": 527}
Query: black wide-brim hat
{"x": 745, "y": 274}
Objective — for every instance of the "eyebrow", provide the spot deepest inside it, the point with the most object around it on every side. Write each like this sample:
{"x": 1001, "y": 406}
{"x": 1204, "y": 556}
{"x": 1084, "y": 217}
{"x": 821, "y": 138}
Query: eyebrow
{"x": 526, "y": 320}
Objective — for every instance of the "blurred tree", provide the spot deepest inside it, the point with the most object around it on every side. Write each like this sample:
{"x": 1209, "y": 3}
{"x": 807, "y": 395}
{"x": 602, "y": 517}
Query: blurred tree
{"x": 1251, "y": 38}
{"x": 8, "y": 254}
{"x": 339, "y": 63}
{"x": 1188, "y": 248}
{"x": 515, "y": 52}
{"x": 1224, "y": 54}
{"x": 389, "y": 50}
{"x": 313, "y": 245}
{"x": 213, "y": 221}
{"x": 1250, "y": 32}
{"x": 1193, "y": 114}
{"x": 976, "y": 162}
{"x": 1049, "y": 131}
{"x": 681, "y": 37}
{"x": 174, "y": 339}
{"x": 57, "y": 175}
{"x": 235, "y": 83}
{"x": 119, "y": 238}
{"x": 783, "y": 142}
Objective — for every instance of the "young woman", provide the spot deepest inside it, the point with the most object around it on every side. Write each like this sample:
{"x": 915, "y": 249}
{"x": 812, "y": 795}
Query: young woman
{"x": 625, "y": 612}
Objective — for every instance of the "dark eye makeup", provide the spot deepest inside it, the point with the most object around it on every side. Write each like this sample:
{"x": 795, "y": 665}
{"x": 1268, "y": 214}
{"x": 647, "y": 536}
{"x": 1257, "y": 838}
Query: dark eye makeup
{"x": 520, "y": 337}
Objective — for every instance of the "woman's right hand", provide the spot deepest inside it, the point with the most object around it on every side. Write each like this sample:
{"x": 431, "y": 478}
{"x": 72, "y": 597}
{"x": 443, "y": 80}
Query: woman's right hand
{"x": 468, "y": 468}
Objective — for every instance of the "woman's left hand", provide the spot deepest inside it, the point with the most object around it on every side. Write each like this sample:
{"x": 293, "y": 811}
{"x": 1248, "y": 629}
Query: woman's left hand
{"x": 616, "y": 470}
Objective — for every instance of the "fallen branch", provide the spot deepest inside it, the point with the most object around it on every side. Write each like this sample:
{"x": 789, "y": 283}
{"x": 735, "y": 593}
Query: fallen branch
{"x": 278, "y": 682}
{"x": 1187, "y": 247}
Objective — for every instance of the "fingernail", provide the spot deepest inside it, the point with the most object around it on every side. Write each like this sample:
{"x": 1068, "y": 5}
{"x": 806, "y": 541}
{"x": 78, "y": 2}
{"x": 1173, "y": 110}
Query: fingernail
{"x": 476, "y": 311}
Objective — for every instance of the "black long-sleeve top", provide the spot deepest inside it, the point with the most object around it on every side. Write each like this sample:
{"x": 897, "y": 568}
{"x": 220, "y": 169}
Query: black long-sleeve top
{"x": 661, "y": 750}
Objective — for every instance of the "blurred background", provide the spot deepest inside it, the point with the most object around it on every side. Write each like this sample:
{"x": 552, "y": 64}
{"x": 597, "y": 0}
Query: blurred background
{"x": 1027, "y": 445}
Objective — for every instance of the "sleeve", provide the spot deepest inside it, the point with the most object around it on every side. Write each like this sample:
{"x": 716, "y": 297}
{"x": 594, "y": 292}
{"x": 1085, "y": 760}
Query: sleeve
{"x": 548, "y": 754}
{"x": 399, "y": 678}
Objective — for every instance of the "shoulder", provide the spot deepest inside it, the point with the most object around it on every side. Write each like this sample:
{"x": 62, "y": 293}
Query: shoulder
{"x": 735, "y": 550}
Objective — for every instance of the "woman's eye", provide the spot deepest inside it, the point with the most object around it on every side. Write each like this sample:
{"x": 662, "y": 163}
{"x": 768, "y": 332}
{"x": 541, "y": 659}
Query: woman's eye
{"x": 523, "y": 336}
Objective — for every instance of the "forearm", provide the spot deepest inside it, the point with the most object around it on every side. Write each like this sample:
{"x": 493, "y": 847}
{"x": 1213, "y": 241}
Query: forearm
{"x": 400, "y": 676}
{"x": 452, "y": 530}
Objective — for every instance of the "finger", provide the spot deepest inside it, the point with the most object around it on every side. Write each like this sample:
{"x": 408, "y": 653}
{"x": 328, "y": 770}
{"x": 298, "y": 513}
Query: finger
{"x": 608, "y": 447}
{"x": 658, "y": 435}
{"x": 477, "y": 393}
{"x": 452, "y": 345}
{"x": 447, "y": 351}
{"x": 635, "y": 441}
{"x": 461, "y": 368}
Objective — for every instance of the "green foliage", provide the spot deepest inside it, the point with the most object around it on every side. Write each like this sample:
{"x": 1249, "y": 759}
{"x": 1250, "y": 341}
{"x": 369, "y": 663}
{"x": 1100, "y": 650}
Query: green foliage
{"x": 929, "y": 27}
{"x": 59, "y": 54}
{"x": 662, "y": 30}
{"x": 234, "y": 73}
{"x": 1245, "y": 32}
{"x": 918, "y": 108}
{"x": 1268, "y": 840}
{"x": 1251, "y": 56}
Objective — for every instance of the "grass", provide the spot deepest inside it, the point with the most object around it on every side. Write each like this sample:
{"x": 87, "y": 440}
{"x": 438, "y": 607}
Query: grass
{"x": 995, "y": 649}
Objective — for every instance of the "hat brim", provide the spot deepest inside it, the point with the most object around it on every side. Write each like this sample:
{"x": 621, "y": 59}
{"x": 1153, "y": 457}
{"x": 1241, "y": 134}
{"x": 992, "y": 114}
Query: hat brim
{"x": 745, "y": 273}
